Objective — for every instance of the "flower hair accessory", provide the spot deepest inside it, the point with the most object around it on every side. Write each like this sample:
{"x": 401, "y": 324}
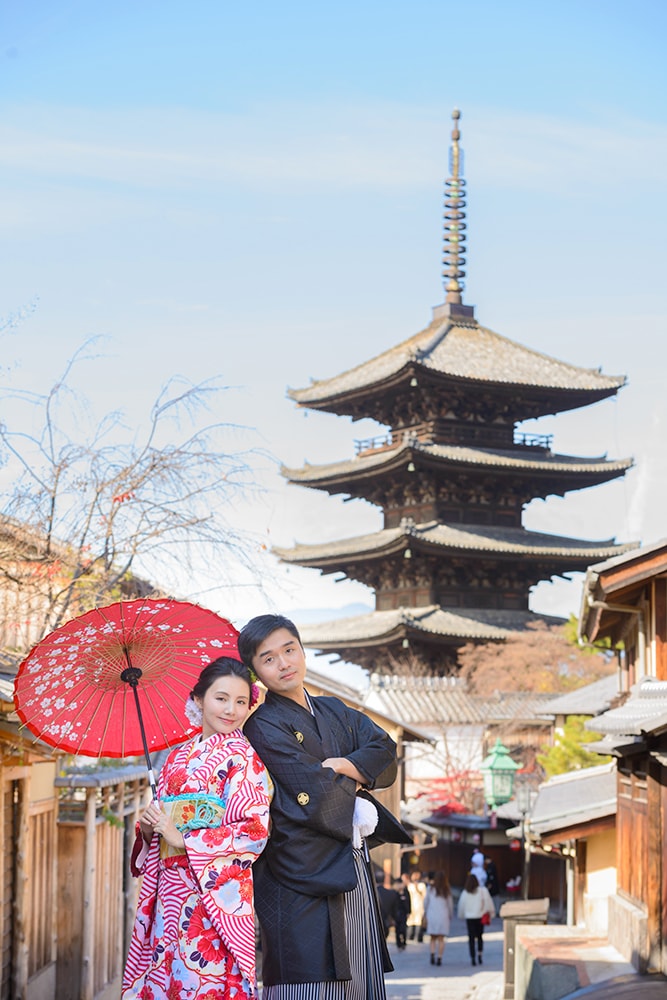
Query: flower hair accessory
{"x": 193, "y": 713}
{"x": 254, "y": 694}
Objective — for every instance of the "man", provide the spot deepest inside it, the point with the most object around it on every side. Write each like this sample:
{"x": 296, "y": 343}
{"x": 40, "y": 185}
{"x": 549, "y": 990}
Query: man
{"x": 388, "y": 903}
{"x": 402, "y": 913}
{"x": 315, "y": 897}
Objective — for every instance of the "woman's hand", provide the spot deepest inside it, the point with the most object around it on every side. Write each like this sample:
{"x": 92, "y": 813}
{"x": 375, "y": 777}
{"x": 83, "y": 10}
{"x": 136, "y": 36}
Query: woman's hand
{"x": 155, "y": 820}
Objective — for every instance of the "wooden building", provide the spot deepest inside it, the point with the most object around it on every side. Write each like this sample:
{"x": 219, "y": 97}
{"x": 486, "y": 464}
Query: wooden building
{"x": 625, "y": 600}
{"x": 67, "y": 900}
{"x": 451, "y": 472}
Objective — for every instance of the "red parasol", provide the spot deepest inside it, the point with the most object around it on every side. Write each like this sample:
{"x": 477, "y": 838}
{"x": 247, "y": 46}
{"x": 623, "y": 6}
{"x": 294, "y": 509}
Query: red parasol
{"x": 74, "y": 688}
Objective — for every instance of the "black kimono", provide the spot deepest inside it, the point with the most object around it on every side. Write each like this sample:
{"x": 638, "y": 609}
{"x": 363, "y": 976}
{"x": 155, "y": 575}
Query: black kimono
{"x": 308, "y": 863}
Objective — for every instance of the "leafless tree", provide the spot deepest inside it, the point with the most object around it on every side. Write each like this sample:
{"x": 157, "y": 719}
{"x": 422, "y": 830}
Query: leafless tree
{"x": 85, "y": 507}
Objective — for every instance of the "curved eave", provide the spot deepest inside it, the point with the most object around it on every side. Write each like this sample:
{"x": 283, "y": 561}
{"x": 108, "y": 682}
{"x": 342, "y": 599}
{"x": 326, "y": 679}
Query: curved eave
{"x": 430, "y": 624}
{"x": 355, "y": 401}
{"x": 453, "y": 457}
{"x": 440, "y": 540}
{"x": 464, "y": 352}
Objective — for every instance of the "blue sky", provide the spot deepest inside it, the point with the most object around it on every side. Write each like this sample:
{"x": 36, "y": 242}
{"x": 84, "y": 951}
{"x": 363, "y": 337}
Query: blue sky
{"x": 256, "y": 192}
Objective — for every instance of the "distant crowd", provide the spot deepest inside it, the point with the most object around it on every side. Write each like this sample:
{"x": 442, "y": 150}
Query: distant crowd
{"x": 417, "y": 906}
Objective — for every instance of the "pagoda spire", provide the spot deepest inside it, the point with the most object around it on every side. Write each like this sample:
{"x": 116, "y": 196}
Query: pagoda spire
{"x": 454, "y": 227}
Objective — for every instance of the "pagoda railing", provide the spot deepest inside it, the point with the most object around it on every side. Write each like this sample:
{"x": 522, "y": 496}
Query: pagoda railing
{"x": 543, "y": 441}
{"x": 425, "y": 432}
{"x": 390, "y": 439}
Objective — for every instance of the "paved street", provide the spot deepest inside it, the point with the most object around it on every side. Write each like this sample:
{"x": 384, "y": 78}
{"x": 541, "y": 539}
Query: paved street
{"x": 414, "y": 978}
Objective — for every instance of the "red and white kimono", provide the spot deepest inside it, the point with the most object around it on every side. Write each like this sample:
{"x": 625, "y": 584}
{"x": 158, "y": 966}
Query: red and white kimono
{"x": 194, "y": 933}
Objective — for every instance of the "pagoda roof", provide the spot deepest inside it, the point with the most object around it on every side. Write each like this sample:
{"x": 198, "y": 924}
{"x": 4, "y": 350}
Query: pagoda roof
{"x": 457, "y": 540}
{"x": 461, "y": 349}
{"x": 534, "y": 461}
{"x": 428, "y": 623}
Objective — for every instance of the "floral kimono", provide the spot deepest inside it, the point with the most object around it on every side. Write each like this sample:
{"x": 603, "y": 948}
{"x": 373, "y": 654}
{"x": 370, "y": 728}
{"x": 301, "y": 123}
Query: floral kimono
{"x": 194, "y": 933}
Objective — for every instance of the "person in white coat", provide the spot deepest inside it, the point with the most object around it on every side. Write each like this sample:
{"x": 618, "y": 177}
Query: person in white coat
{"x": 474, "y": 902}
{"x": 438, "y": 913}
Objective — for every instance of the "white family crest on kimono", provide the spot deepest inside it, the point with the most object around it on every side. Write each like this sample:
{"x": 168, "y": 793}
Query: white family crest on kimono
{"x": 194, "y": 935}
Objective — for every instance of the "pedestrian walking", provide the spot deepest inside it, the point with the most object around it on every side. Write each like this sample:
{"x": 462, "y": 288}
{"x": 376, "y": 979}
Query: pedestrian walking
{"x": 477, "y": 868}
{"x": 475, "y": 904}
{"x": 491, "y": 877}
{"x": 438, "y": 911}
{"x": 388, "y": 904}
{"x": 402, "y": 913}
{"x": 417, "y": 890}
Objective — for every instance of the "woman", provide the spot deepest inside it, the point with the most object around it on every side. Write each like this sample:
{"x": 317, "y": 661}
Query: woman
{"x": 417, "y": 890}
{"x": 194, "y": 933}
{"x": 438, "y": 912}
{"x": 474, "y": 902}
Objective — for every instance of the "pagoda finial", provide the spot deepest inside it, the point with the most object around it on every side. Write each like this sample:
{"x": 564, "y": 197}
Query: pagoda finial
{"x": 454, "y": 239}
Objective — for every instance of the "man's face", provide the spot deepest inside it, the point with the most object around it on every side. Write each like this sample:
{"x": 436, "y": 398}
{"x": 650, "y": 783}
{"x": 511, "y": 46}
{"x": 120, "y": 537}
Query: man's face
{"x": 280, "y": 664}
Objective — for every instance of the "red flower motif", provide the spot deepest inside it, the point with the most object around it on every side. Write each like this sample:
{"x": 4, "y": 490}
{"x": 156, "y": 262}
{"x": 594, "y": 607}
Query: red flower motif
{"x": 227, "y": 874}
{"x": 199, "y": 923}
{"x": 210, "y": 947}
{"x": 245, "y": 888}
{"x": 255, "y": 828}
{"x": 214, "y": 835}
{"x": 176, "y": 781}
{"x": 175, "y": 990}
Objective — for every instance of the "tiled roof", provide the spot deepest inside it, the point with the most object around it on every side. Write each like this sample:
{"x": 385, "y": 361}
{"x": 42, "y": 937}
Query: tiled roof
{"x": 577, "y": 797}
{"x": 358, "y": 698}
{"x": 486, "y": 539}
{"x": 592, "y": 699}
{"x": 645, "y": 711}
{"x": 444, "y": 700}
{"x": 461, "y": 625}
{"x": 463, "y": 350}
{"x": 466, "y": 456}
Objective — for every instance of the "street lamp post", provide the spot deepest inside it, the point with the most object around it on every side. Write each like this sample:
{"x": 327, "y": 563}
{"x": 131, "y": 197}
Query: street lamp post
{"x": 498, "y": 771}
{"x": 523, "y": 801}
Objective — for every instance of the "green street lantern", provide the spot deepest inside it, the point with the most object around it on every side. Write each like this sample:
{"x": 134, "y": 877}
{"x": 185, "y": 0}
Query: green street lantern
{"x": 498, "y": 770}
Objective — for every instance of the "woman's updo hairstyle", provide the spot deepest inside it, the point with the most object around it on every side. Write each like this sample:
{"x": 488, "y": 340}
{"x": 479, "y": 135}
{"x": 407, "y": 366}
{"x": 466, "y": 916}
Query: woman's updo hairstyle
{"x": 224, "y": 666}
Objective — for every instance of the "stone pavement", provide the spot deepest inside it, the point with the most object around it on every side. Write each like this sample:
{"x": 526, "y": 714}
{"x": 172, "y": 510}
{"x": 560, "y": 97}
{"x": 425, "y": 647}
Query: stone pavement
{"x": 414, "y": 978}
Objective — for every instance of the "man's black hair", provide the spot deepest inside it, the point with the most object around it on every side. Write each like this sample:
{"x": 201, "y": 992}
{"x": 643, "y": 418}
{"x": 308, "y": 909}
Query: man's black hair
{"x": 258, "y": 629}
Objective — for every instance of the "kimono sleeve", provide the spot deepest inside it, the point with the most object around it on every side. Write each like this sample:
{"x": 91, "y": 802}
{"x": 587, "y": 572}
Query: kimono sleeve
{"x": 243, "y": 832}
{"x": 221, "y": 857}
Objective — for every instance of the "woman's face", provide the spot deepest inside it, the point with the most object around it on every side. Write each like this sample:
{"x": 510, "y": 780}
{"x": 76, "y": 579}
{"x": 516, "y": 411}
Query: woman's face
{"x": 225, "y": 705}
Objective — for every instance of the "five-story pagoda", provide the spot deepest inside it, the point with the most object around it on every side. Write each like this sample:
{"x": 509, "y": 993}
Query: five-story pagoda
{"x": 453, "y": 563}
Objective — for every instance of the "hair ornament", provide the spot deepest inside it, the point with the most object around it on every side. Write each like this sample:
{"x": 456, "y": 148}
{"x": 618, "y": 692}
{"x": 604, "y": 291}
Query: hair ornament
{"x": 193, "y": 713}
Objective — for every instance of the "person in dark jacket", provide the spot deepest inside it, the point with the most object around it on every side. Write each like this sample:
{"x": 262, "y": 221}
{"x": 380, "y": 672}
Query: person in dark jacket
{"x": 402, "y": 913}
{"x": 388, "y": 905}
{"x": 315, "y": 897}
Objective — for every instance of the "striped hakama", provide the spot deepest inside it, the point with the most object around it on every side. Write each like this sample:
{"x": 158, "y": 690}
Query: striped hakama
{"x": 362, "y": 933}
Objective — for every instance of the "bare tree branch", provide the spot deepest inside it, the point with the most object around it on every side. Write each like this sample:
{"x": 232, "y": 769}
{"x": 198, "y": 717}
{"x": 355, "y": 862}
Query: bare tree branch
{"x": 84, "y": 512}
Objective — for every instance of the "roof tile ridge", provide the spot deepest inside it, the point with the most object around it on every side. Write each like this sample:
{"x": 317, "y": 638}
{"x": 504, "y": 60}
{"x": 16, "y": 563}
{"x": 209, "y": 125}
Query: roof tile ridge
{"x": 437, "y": 338}
{"x": 620, "y": 379}
{"x": 404, "y": 346}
